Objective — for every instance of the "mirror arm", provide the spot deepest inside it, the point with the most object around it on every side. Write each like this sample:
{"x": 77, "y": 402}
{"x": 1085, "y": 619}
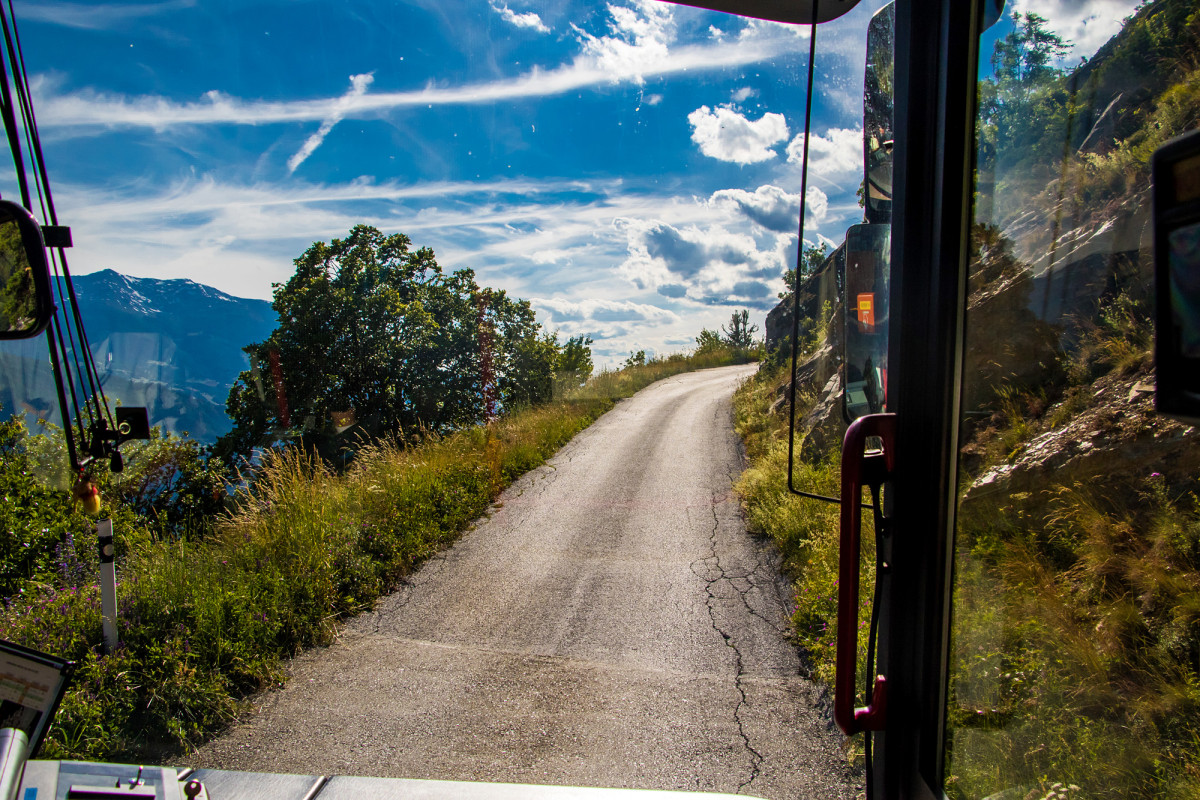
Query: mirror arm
{"x": 56, "y": 235}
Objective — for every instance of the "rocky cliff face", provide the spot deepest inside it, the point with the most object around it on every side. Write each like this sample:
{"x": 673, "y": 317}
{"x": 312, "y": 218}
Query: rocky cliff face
{"x": 817, "y": 374}
{"x": 1120, "y": 433}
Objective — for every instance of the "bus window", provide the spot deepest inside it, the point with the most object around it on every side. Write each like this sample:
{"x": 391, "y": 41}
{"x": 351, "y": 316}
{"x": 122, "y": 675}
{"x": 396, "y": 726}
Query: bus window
{"x": 1076, "y": 602}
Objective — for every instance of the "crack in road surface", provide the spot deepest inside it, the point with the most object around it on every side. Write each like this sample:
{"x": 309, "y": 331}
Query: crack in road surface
{"x": 608, "y": 623}
{"x": 756, "y": 757}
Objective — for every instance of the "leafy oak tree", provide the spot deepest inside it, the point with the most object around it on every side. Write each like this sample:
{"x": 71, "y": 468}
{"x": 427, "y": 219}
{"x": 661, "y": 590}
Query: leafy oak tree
{"x": 373, "y": 335}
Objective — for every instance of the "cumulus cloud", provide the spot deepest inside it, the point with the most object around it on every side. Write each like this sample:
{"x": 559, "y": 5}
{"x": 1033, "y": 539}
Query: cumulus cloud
{"x": 817, "y": 206}
{"x": 773, "y": 208}
{"x": 527, "y": 20}
{"x": 743, "y": 94}
{"x": 710, "y": 265}
{"x": 638, "y": 40}
{"x": 358, "y": 87}
{"x": 769, "y": 206}
{"x": 726, "y": 135}
{"x": 834, "y": 157}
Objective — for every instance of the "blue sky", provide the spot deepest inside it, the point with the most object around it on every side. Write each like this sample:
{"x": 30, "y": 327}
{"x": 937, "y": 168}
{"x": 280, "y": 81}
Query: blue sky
{"x": 631, "y": 167}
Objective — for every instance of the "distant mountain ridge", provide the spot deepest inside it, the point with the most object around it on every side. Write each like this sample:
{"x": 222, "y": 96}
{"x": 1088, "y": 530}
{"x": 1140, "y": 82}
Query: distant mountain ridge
{"x": 174, "y": 346}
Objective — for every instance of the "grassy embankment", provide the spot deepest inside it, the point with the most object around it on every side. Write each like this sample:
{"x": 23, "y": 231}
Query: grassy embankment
{"x": 805, "y": 530}
{"x": 1077, "y": 628}
{"x": 207, "y": 620}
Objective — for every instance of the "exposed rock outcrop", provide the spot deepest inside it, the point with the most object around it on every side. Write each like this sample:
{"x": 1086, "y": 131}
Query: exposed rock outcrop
{"x": 1120, "y": 435}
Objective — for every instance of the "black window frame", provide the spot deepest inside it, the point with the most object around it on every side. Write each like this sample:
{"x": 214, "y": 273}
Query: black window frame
{"x": 936, "y": 77}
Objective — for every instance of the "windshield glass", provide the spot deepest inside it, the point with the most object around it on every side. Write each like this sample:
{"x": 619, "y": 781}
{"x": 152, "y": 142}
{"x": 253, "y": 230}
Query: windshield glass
{"x": 630, "y": 169}
{"x": 335, "y": 225}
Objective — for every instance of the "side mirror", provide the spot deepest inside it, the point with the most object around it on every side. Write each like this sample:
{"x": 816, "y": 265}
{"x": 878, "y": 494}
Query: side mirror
{"x": 1175, "y": 168}
{"x": 865, "y": 287}
{"x": 26, "y": 304}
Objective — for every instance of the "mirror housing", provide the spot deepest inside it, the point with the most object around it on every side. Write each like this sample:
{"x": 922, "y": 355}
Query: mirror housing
{"x": 802, "y": 12}
{"x": 26, "y": 303}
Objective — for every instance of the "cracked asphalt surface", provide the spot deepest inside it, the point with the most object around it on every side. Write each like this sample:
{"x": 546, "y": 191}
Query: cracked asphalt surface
{"x": 610, "y": 623}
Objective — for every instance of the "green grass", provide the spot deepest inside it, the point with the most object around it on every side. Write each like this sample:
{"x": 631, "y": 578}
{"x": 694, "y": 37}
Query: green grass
{"x": 206, "y": 620}
{"x": 1076, "y": 643}
{"x": 806, "y": 531}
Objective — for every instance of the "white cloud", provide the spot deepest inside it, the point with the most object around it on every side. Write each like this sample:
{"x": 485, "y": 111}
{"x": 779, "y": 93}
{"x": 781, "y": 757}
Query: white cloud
{"x": 566, "y": 310}
{"x": 710, "y": 265}
{"x": 817, "y": 206}
{"x": 726, "y": 135}
{"x": 757, "y": 29}
{"x": 744, "y": 93}
{"x": 638, "y": 42}
{"x": 529, "y": 19}
{"x": 834, "y": 157}
{"x": 773, "y": 208}
{"x": 1085, "y": 25}
{"x": 769, "y": 206}
{"x": 358, "y": 87}
{"x": 89, "y": 108}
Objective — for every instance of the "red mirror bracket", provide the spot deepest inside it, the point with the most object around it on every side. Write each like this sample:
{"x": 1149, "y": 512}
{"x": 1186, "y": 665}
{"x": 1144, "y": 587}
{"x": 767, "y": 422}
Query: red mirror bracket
{"x": 856, "y": 465}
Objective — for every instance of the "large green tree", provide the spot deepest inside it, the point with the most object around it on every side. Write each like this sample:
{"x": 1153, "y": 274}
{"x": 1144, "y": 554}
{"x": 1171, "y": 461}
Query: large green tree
{"x": 374, "y": 333}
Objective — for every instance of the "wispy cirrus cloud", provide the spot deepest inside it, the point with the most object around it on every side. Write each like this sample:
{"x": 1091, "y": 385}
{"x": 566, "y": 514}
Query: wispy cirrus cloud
{"x": 96, "y": 16}
{"x": 90, "y": 109}
{"x": 525, "y": 229}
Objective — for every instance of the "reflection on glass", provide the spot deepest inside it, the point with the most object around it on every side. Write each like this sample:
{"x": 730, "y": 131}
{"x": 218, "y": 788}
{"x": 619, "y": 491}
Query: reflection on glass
{"x": 1185, "y": 287}
{"x": 878, "y": 91}
{"x": 866, "y": 267}
{"x": 18, "y": 300}
{"x": 868, "y": 250}
{"x": 1075, "y": 662}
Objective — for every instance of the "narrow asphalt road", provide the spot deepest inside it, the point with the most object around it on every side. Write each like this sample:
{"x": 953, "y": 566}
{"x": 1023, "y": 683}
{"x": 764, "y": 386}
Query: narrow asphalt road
{"x": 610, "y": 624}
